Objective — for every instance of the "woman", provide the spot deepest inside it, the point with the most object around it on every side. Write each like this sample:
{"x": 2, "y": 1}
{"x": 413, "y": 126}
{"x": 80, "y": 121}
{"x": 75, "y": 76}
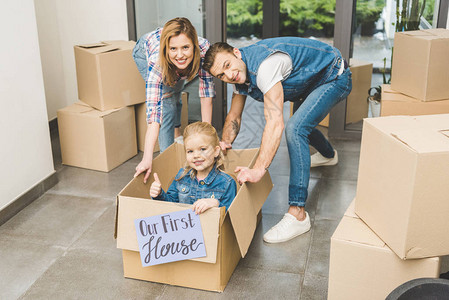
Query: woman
{"x": 166, "y": 58}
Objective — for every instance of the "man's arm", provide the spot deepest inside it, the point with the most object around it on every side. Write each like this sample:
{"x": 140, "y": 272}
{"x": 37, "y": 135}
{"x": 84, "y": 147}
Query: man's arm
{"x": 233, "y": 120}
{"x": 272, "y": 133}
{"x": 271, "y": 138}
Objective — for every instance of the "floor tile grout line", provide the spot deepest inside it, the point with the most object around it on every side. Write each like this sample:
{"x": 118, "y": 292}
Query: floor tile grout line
{"x": 311, "y": 238}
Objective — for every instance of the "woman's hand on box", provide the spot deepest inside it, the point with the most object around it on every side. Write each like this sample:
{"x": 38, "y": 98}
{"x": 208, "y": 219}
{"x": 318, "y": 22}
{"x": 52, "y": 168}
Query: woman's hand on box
{"x": 201, "y": 205}
{"x": 144, "y": 166}
{"x": 155, "y": 188}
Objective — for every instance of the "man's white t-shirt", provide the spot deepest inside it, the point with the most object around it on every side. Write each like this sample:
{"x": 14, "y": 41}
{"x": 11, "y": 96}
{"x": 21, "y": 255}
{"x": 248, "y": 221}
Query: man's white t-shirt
{"x": 276, "y": 67}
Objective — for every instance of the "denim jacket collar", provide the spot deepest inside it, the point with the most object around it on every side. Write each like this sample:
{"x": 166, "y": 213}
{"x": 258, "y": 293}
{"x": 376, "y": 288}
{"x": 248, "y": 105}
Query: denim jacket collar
{"x": 211, "y": 176}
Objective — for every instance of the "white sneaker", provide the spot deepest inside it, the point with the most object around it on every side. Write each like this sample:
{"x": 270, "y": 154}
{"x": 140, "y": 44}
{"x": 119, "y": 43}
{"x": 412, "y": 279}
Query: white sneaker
{"x": 317, "y": 160}
{"x": 179, "y": 140}
{"x": 288, "y": 228}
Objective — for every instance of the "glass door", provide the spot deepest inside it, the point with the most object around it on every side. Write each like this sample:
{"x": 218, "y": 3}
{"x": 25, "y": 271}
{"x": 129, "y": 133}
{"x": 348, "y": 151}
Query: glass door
{"x": 375, "y": 24}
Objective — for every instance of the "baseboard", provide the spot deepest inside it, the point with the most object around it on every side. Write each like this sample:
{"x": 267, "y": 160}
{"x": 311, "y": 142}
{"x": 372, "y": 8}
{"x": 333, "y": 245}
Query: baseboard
{"x": 23, "y": 201}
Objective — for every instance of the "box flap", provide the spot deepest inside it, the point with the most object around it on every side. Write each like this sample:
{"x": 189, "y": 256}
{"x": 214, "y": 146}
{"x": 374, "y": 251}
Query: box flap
{"x": 80, "y": 107}
{"x": 130, "y": 208}
{"x": 358, "y": 63}
{"x": 435, "y": 33}
{"x": 244, "y": 209}
{"x": 356, "y": 231}
{"x": 350, "y": 211}
{"x": 423, "y": 140}
{"x": 388, "y": 94}
{"x": 99, "y": 48}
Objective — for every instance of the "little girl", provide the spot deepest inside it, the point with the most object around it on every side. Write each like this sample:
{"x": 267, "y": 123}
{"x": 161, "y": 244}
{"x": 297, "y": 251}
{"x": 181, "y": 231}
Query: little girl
{"x": 201, "y": 182}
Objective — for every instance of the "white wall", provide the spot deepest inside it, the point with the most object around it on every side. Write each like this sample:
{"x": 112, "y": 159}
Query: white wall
{"x": 63, "y": 24}
{"x": 151, "y": 14}
{"x": 25, "y": 150}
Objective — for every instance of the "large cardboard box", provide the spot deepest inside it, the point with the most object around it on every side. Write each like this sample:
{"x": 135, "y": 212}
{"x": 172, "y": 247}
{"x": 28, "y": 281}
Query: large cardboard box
{"x": 107, "y": 76}
{"x": 394, "y": 103}
{"x": 421, "y": 64}
{"x": 403, "y": 187}
{"x": 356, "y": 103}
{"x": 363, "y": 267}
{"x": 97, "y": 140}
{"x": 227, "y": 236}
{"x": 141, "y": 121}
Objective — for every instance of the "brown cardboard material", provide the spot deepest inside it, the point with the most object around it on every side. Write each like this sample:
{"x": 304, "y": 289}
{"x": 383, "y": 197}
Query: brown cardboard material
{"x": 107, "y": 76}
{"x": 394, "y": 103}
{"x": 402, "y": 187}
{"x": 363, "y": 267}
{"x": 356, "y": 103}
{"x": 421, "y": 64}
{"x": 227, "y": 235}
{"x": 141, "y": 122}
{"x": 96, "y": 140}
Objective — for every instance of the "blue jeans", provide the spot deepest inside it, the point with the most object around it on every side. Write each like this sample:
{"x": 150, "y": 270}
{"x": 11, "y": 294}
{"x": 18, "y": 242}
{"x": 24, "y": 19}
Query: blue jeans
{"x": 300, "y": 132}
{"x": 171, "y": 102}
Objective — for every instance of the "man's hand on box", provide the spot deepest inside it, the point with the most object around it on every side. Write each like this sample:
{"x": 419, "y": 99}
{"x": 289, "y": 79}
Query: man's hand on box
{"x": 155, "y": 188}
{"x": 201, "y": 205}
{"x": 251, "y": 175}
{"x": 142, "y": 167}
{"x": 225, "y": 146}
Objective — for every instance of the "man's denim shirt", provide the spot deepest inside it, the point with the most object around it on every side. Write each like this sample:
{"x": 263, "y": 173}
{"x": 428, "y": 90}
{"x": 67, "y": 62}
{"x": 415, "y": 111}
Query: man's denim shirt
{"x": 217, "y": 184}
{"x": 313, "y": 64}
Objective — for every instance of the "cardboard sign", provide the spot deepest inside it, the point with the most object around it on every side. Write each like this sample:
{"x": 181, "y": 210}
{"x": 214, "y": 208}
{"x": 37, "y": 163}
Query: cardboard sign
{"x": 170, "y": 237}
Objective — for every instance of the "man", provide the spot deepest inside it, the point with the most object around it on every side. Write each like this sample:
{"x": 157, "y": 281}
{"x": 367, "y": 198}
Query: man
{"x": 308, "y": 72}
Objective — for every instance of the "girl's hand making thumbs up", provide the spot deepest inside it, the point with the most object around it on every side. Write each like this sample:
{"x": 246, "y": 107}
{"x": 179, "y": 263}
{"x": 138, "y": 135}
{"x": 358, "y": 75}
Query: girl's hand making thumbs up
{"x": 155, "y": 188}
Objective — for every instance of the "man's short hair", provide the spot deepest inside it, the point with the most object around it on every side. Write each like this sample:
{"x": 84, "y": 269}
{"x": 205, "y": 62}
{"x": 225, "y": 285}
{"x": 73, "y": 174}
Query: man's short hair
{"x": 212, "y": 52}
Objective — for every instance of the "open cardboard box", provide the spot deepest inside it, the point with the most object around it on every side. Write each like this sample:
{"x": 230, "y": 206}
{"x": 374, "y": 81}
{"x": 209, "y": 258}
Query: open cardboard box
{"x": 227, "y": 235}
{"x": 395, "y": 103}
{"x": 403, "y": 186}
{"x": 363, "y": 267}
{"x": 107, "y": 76}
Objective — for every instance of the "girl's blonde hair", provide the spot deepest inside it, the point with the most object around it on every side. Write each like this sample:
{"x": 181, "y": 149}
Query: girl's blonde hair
{"x": 209, "y": 131}
{"x": 172, "y": 28}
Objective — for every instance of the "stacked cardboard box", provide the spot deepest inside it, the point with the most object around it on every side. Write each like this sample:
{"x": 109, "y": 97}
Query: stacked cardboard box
{"x": 107, "y": 76}
{"x": 99, "y": 132}
{"x": 402, "y": 199}
{"x": 395, "y": 103}
{"x": 227, "y": 235}
{"x": 402, "y": 203}
{"x": 420, "y": 74}
{"x": 362, "y": 266}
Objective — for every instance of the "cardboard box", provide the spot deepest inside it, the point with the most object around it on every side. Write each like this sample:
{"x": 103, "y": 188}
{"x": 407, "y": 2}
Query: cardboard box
{"x": 394, "y": 103}
{"x": 141, "y": 121}
{"x": 363, "y": 267}
{"x": 107, "y": 76}
{"x": 96, "y": 140}
{"x": 356, "y": 103}
{"x": 421, "y": 64}
{"x": 227, "y": 236}
{"x": 402, "y": 187}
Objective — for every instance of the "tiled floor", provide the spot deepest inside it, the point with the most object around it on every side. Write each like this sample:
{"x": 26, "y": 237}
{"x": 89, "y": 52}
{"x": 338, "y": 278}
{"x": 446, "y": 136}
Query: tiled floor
{"x": 62, "y": 246}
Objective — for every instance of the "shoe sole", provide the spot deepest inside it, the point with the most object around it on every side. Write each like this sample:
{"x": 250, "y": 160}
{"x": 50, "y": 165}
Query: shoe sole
{"x": 286, "y": 239}
{"x": 324, "y": 164}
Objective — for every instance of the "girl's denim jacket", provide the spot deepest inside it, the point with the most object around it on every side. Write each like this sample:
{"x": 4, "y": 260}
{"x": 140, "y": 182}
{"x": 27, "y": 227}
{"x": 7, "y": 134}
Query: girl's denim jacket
{"x": 217, "y": 184}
